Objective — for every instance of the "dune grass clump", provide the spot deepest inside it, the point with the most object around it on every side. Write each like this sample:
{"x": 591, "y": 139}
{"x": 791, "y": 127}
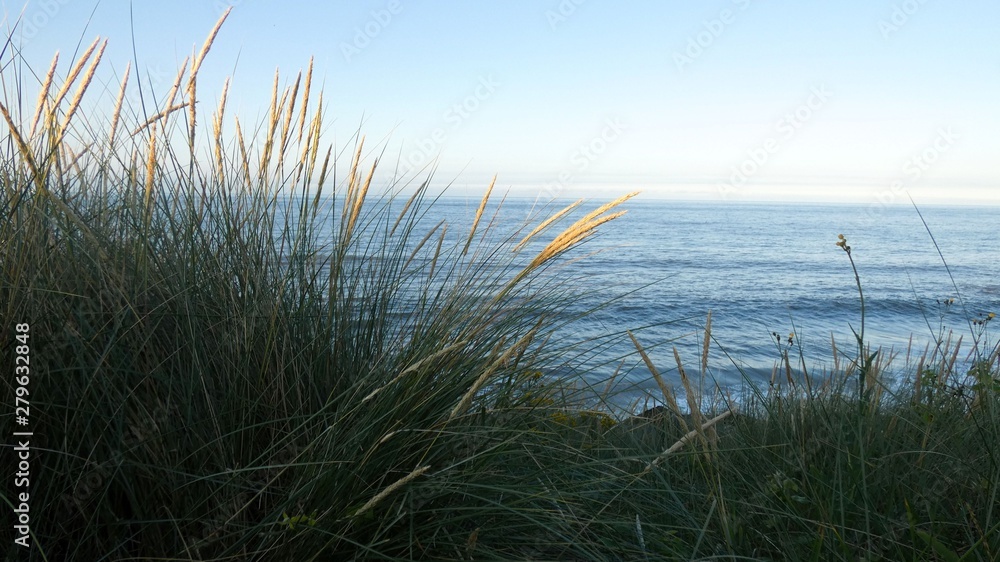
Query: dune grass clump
{"x": 249, "y": 355}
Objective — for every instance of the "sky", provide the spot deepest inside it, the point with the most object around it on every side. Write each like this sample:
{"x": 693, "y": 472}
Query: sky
{"x": 854, "y": 100}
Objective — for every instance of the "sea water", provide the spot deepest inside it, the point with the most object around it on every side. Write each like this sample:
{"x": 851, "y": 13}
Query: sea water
{"x": 771, "y": 268}
{"x": 762, "y": 270}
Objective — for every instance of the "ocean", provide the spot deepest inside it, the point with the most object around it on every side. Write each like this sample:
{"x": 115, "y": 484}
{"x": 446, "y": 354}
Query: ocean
{"x": 769, "y": 268}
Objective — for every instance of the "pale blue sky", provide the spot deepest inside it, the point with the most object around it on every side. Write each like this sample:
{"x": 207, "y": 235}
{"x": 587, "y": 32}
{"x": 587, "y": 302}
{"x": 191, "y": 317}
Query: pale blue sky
{"x": 738, "y": 99}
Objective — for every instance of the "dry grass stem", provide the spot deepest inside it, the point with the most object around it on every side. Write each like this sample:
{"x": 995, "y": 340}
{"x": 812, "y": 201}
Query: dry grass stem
{"x": 78, "y": 97}
{"x": 23, "y": 149}
{"x": 159, "y": 116}
{"x": 579, "y": 230}
{"x": 287, "y": 123}
{"x": 415, "y": 367}
{"x": 193, "y": 78}
{"x": 217, "y": 130}
{"x": 150, "y": 171}
{"x": 352, "y": 176}
{"x": 479, "y": 215}
{"x": 568, "y": 239}
{"x": 705, "y": 345}
{"x": 118, "y": 107}
{"x": 572, "y": 236}
{"x": 278, "y": 134}
{"x": 420, "y": 245}
{"x": 317, "y": 124}
{"x": 43, "y": 95}
{"x": 175, "y": 87}
{"x": 358, "y": 201}
{"x": 311, "y": 148}
{"x": 323, "y": 170}
{"x": 680, "y": 443}
{"x": 305, "y": 99}
{"x": 208, "y": 41}
{"x": 392, "y": 488}
{"x": 545, "y": 224}
{"x": 954, "y": 356}
{"x": 668, "y": 396}
{"x": 689, "y": 393}
{"x": 603, "y": 209}
{"x": 437, "y": 250}
{"x": 272, "y": 124}
{"x": 243, "y": 154}
{"x": 406, "y": 209}
{"x": 466, "y": 400}
{"x": 74, "y": 159}
{"x": 73, "y": 73}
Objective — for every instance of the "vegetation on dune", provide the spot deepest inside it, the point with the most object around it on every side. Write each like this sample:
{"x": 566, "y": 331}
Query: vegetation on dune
{"x": 246, "y": 355}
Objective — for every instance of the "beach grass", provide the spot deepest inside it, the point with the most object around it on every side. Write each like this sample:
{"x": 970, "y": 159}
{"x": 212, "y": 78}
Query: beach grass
{"x": 243, "y": 349}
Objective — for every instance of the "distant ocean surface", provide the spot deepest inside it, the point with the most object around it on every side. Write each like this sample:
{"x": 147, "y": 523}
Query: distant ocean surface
{"x": 764, "y": 268}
